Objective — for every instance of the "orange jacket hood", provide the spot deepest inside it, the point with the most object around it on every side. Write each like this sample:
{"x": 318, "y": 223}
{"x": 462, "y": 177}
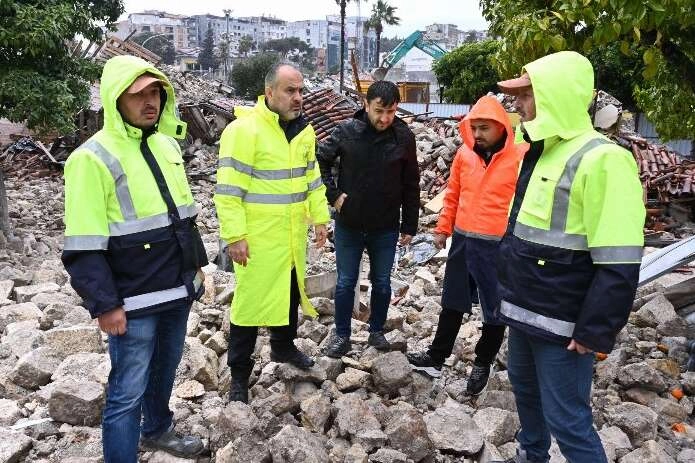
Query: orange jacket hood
{"x": 486, "y": 107}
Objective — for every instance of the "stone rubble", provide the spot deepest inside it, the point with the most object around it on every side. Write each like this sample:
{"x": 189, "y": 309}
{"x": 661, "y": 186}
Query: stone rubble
{"x": 368, "y": 406}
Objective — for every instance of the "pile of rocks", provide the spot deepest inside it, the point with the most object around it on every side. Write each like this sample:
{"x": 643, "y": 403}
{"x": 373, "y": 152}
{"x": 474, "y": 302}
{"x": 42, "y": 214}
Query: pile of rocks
{"x": 190, "y": 88}
{"x": 366, "y": 407}
{"x": 437, "y": 143}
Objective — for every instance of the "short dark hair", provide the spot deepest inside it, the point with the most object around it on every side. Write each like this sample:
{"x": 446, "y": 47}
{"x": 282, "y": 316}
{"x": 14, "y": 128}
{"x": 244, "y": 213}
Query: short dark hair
{"x": 385, "y": 90}
{"x": 272, "y": 73}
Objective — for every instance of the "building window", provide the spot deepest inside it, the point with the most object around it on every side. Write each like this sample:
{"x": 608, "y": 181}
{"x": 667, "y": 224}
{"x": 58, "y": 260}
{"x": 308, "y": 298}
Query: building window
{"x": 145, "y": 29}
{"x": 169, "y": 29}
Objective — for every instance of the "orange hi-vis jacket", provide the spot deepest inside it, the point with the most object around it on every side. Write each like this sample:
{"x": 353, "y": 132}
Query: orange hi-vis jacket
{"x": 477, "y": 198}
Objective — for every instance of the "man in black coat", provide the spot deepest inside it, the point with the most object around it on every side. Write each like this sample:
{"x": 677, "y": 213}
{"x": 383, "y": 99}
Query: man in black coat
{"x": 377, "y": 196}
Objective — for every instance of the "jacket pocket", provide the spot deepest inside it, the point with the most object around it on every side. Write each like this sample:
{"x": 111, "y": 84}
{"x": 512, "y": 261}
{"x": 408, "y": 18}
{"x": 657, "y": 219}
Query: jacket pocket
{"x": 539, "y": 197}
{"x": 177, "y": 171}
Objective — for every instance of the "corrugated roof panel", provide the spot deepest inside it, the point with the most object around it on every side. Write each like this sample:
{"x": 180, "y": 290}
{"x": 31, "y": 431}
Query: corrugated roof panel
{"x": 438, "y": 109}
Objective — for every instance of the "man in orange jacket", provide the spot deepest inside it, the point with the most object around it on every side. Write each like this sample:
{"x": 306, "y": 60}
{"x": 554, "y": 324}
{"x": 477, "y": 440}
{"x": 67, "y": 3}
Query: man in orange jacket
{"x": 476, "y": 204}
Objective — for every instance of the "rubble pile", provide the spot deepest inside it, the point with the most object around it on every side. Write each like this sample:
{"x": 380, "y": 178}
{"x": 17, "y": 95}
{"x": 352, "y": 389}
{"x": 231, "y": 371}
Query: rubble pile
{"x": 29, "y": 157}
{"x": 368, "y": 406}
{"x": 437, "y": 142}
{"x": 664, "y": 173}
{"x": 190, "y": 88}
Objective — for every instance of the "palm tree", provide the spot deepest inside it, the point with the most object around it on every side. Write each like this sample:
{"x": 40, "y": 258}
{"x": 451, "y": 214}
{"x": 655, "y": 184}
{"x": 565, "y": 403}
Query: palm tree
{"x": 382, "y": 13}
{"x": 342, "y": 4}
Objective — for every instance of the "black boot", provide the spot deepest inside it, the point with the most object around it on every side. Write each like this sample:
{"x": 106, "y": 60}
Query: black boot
{"x": 239, "y": 389}
{"x": 478, "y": 379}
{"x": 180, "y": 446}
{"x": 294, "y": 357}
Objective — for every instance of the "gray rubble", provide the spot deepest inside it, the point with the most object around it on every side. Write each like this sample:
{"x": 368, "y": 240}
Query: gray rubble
{"x": 368, "y": 406}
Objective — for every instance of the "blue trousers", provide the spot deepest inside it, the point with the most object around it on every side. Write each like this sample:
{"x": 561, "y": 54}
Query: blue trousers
{"x": 349, "y": 246}
{"x": 143, "y": 367}
{"x": 552, "y": 388}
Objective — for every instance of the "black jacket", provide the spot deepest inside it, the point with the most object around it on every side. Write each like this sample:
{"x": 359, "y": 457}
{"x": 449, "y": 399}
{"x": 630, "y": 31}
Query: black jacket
{"x": 377, "y": 170}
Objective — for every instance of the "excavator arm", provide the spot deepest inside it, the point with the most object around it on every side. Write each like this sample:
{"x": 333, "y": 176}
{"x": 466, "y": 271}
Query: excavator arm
{"x": 417, "y": 39}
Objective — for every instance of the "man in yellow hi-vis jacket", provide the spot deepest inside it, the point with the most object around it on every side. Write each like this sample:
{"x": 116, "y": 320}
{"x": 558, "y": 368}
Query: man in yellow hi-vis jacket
{"x": 133, "y": 253}
{"x": 269, "y": 190}
{"x": 569, "y": 262}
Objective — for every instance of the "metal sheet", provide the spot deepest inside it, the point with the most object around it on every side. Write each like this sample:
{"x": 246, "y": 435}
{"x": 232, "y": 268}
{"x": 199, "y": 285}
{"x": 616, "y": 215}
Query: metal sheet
{"x": 438, "y": 109}
{"x": 666, "y": 259}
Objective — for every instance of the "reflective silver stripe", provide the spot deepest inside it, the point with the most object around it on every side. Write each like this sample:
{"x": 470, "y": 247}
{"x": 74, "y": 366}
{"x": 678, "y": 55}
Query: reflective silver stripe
{"x": 150, "y": 223}
{"x": 125, "y": 201}
{"x": 187, "y": 210}
{"x": 315, "y": 184}
{"x": 556, "y": 235}
{"x": 482, "y": 236}
{"x": 263, "y": 174}
{"x": 85, "y": 243}
{"x": 265, "y": 198}
{"x": 260, "y": 198}
{"x": 230, "y": 190}
{"x": 236, "y": 164}
{"x": 616, "y": 254}
{"x": 139, "y": 225}
{"x": 157, "y": 297}
{"x": 556, "y": 238}
{"x": 279, "y": 174}
{"x": 551, "y": 325}
{"x": 561, "y": 198}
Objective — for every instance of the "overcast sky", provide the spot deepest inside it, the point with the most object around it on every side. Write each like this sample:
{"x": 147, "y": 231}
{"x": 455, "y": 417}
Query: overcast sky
{"x": 414, "y": 14}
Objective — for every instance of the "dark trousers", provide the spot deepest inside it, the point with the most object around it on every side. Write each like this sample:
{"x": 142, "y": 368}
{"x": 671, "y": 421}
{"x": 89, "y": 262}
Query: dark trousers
{"x": 242, "y": 339}
{"x": 469, "y": 259}
{"x": 447, "y": 329}
{"x": 349, "y": 246}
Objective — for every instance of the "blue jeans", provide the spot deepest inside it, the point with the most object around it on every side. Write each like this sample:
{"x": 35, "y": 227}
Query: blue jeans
{"x": 381, "y": 248}
{"x": 552, "y": 387}
{"x": 143, "y": 367}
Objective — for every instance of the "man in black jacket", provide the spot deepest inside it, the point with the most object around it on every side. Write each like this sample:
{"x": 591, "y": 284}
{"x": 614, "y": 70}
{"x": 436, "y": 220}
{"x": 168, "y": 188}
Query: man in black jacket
{"x": 377, "y": 175}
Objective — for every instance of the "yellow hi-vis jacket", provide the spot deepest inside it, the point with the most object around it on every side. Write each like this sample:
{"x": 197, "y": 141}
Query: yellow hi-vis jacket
{"x": 570, "y": 260}
{"x": 122, "y": 246}
{"x": 268, "y": 192}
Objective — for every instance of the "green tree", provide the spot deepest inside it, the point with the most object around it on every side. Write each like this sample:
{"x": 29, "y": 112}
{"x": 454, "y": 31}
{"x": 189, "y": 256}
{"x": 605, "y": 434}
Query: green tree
{"x": 41, "y": 82}
{"x": 245, "y": 45}
{"x": 248, "y": 76}
{"x": 287, "y": 45}
{"x": 158, "y": 44}
{"x": 615, "y": 73}
{"x": 206, "y": 58}
{"x": 467, "y": 73}
{"x": 382, "y": 13}
{"x": 660, "y": 34}
{"x": 293, "y": 49}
